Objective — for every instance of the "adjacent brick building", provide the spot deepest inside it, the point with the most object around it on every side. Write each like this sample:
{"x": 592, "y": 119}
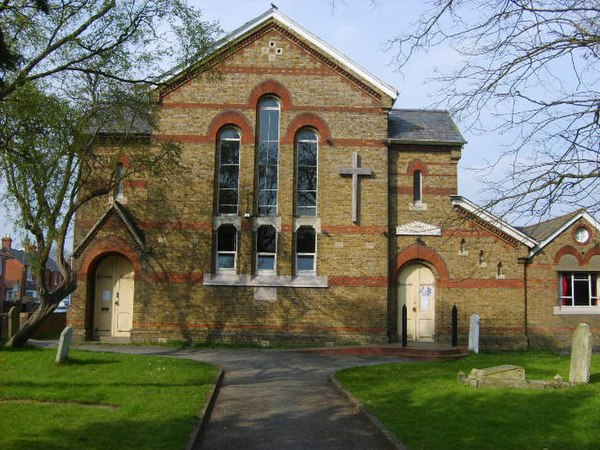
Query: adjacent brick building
{"x": 311, "y": 211}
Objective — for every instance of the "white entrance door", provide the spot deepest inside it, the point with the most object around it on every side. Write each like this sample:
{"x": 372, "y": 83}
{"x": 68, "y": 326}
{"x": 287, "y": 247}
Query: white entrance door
{"x": 113, "y": 299}
{"x": 416, "y": 290}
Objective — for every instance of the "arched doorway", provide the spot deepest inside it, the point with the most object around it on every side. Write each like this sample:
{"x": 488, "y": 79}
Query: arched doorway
{"x": 416, "y": 290}
{"x": 113, "y": 297}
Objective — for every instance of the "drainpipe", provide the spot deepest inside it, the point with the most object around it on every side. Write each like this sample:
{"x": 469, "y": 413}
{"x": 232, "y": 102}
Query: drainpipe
{"x": 525, "y": 262}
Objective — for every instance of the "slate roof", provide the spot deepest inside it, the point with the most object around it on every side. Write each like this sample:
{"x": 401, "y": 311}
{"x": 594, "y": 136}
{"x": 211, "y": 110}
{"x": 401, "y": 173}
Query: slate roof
{"x": 543, "y": 230}
{"x": 24, "y": 258}
{"x": 424, "y": 126}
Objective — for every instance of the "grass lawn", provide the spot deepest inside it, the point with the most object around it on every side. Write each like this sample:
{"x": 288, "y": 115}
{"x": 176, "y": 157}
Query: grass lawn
{"x": 426, "y": 408}
{"x": 99, "y": 400}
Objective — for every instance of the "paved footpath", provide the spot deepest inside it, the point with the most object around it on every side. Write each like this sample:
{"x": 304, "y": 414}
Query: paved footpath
{"x": 275, "y": 399}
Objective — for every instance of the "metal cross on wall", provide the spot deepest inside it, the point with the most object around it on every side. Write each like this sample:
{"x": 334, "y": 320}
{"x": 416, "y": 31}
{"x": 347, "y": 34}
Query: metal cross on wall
{"x": 356, "y": 172}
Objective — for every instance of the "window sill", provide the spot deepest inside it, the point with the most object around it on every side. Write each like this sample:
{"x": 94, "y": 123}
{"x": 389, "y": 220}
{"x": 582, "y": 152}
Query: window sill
{"x": 304, "y": 281}
{"x": 576, "y": 310}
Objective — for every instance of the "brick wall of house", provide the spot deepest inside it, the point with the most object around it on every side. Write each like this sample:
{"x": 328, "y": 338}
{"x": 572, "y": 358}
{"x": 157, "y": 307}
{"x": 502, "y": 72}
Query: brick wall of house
{"x": 547, "y": 328}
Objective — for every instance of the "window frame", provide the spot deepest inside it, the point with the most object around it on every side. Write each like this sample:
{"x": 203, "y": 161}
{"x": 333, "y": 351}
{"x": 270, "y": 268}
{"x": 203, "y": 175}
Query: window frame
{"x": 418, "y": 187}
{"x": 221, "y": 189}
{"x": 265, "y": 254}
{"x": 297, "y": 190}
{"x": 119, "y": 187}
{"x": 567, "y": 289}
{"x": 264, "y": 210}
{"x": 218, "y": 252}
{"x": 298, "y": 254}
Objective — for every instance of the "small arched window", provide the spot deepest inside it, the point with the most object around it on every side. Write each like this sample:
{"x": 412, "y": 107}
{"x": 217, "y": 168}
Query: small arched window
{"x": 307, "y": 147}
{"x": 229, "y": 171}
{"x": 306, "y": 250}
{"x": 417, "y": 187}
{"x": 268, "y": 156}
{"x": 482, "y": 258}
{"x": 500, "y": 271}
{"x": 226, "y": 248}
{"x": 119, "y": 189}
{"x": 266, "y": 249}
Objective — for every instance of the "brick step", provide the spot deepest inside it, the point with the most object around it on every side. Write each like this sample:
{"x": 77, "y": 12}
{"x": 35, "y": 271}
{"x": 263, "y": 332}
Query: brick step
{"x": 420, "y": 353}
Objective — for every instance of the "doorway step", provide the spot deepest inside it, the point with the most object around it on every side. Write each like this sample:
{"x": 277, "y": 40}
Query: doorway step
{"x": 417, "y": 352}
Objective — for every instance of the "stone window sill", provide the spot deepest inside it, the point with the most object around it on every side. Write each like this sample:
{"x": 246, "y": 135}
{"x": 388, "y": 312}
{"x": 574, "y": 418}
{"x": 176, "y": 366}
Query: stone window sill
{"x": 576, "y": 310}
{"x": 304, "y": 281}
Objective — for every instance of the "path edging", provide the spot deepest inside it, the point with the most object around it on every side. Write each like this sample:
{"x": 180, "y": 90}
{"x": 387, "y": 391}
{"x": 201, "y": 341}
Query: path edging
{"x": 392, "y": 439}
{"x": 205, "y": 412}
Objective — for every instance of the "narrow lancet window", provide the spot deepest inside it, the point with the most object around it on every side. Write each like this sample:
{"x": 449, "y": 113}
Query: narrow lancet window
{"x": 307, "y": 145}
{"x": 268, "y": 156}
{"x": 229, "y": 171}
{"x": 417, "y": 187}
{"x": 226, "y": 248}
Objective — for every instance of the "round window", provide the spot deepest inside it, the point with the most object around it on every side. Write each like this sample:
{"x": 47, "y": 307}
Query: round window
{"x": 582, "y": 235}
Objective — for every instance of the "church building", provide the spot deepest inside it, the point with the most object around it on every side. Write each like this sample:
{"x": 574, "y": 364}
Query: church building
{"x": 310, "y": 212}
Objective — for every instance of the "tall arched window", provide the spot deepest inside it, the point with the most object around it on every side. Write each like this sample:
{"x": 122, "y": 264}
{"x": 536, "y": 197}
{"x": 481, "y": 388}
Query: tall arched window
{"x": 307, "y": 147}
{"x": 268, "y": 156}
{"x": 266, "y": 248}
{"x": 229, "y": 171}
{"x": 417, "y": 186}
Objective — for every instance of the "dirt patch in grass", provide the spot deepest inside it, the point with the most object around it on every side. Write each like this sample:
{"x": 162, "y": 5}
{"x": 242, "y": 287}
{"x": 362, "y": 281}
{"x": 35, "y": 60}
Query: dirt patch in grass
{"x": 56, "y": 402}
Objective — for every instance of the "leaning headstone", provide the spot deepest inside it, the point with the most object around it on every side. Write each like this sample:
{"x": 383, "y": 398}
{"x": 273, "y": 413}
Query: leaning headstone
{"x": 474, "y": 334}
{"x": 581, "y": 354}
{"x": 13, "y": 321}
{"x": 64, "y": 344}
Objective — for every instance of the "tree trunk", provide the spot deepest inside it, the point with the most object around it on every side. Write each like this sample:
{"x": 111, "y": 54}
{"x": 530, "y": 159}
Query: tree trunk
{"x": 37, "y": 318}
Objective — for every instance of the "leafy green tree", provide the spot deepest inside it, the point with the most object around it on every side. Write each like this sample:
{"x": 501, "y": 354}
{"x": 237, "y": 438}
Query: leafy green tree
{"x": 77, "y": 76}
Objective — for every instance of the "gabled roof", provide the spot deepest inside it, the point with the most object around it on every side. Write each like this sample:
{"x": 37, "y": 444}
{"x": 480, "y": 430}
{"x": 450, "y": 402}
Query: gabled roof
{"x": 545, "y": 232}
{"x": 273, "y": 15}
{"x": 423, "y": 126}
{"x": 492, "y": 221}
{"x": 120, "y": 212}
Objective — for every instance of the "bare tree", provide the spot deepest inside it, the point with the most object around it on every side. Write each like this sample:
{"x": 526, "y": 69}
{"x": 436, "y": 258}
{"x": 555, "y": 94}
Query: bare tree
{"x": 534, "y": 65}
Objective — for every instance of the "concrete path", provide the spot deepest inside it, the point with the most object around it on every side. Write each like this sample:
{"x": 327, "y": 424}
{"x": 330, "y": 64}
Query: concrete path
{"x": 274, "y": 399}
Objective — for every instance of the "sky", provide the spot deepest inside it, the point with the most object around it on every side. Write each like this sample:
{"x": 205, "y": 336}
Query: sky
{"x": 361, "y": 30}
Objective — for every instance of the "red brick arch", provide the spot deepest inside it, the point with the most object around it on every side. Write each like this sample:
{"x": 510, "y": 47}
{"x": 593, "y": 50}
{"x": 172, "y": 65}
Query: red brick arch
{"x": 568, "y": 250}
{"x": 422, "y": 253}
{"x": 231, "y": 117}
{"x": 306, "y": 119}
{"x": 272, "y": 87}
{"x": 107, "y": 246}
{"x": 417, "y": 165}
{"x": 591, "y": 252}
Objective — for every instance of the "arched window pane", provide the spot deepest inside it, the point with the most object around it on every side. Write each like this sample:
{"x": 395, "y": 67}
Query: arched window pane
{"x": 266, "y": 248}
{"x": 119, "y": 189}
{"x": 268, "y": 156}
{"x": 226, "y": 247}
{"x": 229, "y": 170}
{"x": 306, "y": 247}
{"x": 306, "y": 173}
{"x": 417, "y": 186}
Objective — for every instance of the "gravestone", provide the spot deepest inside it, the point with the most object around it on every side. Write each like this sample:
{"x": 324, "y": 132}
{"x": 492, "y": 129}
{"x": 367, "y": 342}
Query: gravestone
{"x": 64, "y": 344}
{"x": 13, "y": 321}
{"x": 474, "y": 334}
{"x": 581, "y": 354}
